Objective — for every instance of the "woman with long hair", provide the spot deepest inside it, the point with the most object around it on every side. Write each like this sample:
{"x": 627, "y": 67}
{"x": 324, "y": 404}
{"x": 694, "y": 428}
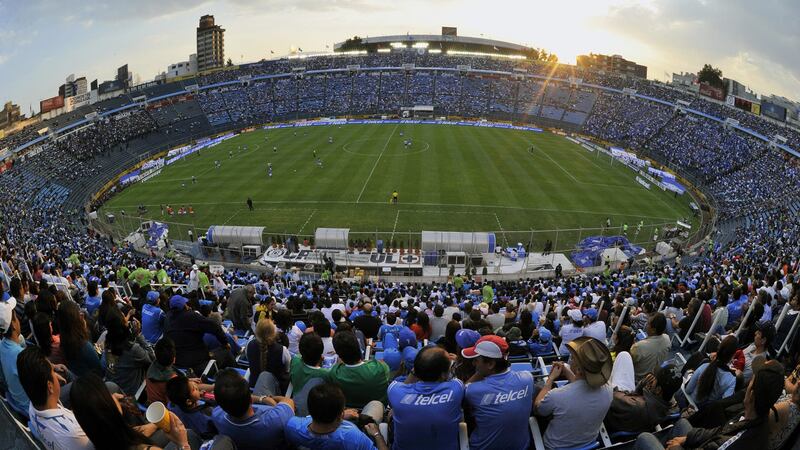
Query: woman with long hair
{"x": 100, "y": 416}
{"x": 80, "y": 355}
{"x": 49, "y": 343}
{"x": 448, "y": 341}
{"x": 127, "y": 356}
{"x": 422, "y": 326}
{"x": 713, "y": 380}
{"x": 266, "y": 354}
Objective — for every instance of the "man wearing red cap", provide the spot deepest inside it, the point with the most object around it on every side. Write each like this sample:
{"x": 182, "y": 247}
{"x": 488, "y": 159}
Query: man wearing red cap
{"x": 498, "y": 399}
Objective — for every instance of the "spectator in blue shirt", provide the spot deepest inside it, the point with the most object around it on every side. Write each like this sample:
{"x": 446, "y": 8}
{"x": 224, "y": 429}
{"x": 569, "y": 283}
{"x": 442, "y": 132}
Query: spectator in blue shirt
{"x": 152, "y": 318}
{"x": 93, "y": 298}
{"x": 328, "y": 426}
{"x": 391, "y": 326}
{"x": 498, "y": 399}
{"x": 10, "y": 347}
{"x": 426, "y": 407}
{"x": 251, "y": 427}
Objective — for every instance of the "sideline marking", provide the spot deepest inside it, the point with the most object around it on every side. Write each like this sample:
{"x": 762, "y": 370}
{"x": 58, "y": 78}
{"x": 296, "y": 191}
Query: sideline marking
{"x": 376, "y": 162}
{"x": 397, "y": 216}
{"x": 306, "y": 222}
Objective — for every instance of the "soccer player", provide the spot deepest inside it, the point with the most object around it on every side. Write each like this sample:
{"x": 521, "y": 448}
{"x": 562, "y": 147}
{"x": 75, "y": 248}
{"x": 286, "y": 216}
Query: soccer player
{"x": 274, "y": 149}
{"x": 194, "y": 179}
{"x": 230, "y": 154}
{"x": 315, "y": 154}
{"x": 319, "y": 163}
{"x": 330, "y": 139}
{"x": 395, "y": 196}
{"x": 250, "y": 203}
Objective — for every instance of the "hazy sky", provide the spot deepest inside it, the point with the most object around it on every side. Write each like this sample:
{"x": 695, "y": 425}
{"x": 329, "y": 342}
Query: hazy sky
{"x": 43, "y": 41}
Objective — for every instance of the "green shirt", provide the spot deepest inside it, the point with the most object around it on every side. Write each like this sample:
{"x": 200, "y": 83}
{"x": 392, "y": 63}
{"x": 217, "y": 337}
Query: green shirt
{"x": 202, "y": 279}
{"x": 488, "y": 294}
{"x": 142, "y": 276}
{"x": 362, "y": 382}
{"x": 162, "y": 277}
{"x": 458, "y": 282}
{"x": 122, "y": 274}
{"x": 301, "y": 372}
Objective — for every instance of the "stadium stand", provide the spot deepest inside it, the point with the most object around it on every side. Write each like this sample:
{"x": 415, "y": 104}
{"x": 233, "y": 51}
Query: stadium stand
{"x": 642, "y": 344}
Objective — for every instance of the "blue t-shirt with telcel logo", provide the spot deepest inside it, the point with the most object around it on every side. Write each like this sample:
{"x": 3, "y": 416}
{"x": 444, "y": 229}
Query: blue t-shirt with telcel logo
{"x": 264, "y": 429}
{"x": 426, "y": 414}
{"x": 346, "y": 437}
{"x": 501, "y": 405}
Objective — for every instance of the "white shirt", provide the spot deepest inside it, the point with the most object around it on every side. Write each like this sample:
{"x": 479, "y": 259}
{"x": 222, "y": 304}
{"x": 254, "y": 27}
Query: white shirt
{"x": 194, "y": 282}
{"x": 58, "y": 429}
{"x": 596, "y": 330}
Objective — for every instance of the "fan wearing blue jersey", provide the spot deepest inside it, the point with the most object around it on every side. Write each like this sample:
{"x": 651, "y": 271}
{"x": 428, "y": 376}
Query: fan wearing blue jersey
{"x": 498, "y": 399}
{"x": 328, "y": 426}
{"x": 426, "y": 407}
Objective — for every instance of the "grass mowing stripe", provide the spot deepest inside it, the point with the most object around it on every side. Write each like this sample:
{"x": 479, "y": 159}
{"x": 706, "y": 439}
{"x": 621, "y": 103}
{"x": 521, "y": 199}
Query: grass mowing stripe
{"x": 376, "y": 163}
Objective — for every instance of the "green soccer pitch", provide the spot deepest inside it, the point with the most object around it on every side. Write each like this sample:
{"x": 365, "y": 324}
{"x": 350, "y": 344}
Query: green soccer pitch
{"x": 451, "y": 178}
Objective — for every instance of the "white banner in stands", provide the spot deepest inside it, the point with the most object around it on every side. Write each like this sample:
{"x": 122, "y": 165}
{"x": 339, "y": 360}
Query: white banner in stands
{"x": 643, "y": 183}
{"x": 484, "y": 124}
{"x": 343, "y": 258}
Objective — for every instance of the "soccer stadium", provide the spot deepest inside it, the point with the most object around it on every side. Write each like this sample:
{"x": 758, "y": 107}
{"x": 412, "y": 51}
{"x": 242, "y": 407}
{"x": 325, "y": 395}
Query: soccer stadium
{"x": 408, "y": 241}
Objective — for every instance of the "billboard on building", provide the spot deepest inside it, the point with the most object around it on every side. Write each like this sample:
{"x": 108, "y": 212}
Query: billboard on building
{"x": 756, "y": 109}
{"x": 51, "y": 103}
{"x": 774, "y": 111}
{"x": 449, "y": 31}
{"x": 711, "y": 91}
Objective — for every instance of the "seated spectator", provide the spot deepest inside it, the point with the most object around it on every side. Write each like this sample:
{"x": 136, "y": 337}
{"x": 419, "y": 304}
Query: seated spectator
{"x": 785, "y": 417}
{"x": 367, "y": 322}
{"x": 328, "y": 425}
{"x": 251, "y": 427}
{"x": 152, "y": 318}
{"x": 161, "y": 370}
{"x": 646, "y": 406}
{"x": 448, "y": 340}
{"x": 593, "y": 328}
{"x": 239, "y": 309}
{"x": 100, "y": 415}
{"x": 184, "y": 401}
{"x": 10, "y": 347}
{"x": 496, "y": 319}
{"x": 463, "y": 368}
{"x": 497, "y": 398}
{"x": 649, "y": 353}
{"x": 308, "y": 364}
{"x": 438, "y": 323}
{"x": 422, "y": 327}
{"x": 364, "y": 383}
{"x": 93, "y": 299}
{"x": 761, "y": 347}
{"x": 743, "y": 433}
{"x": 571, "y": 328}
{"x": 541, "y": 342}
{"x": 266, "y": 354}
{"x": 127, "y": 357}
{"x": 79, "y": 353}
{"x": 50, "y": 343}
{"x": 585, "y": 400}
{"x": 186, "y": 329}
{"x": 42, "y": 386}
{"x": 426, "y": 407}
{"x": 714, "y": 380}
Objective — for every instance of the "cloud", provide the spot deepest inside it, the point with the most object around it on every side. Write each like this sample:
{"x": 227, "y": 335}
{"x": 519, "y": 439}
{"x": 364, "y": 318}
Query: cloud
{"x": 3, "y": 58}
{"x": 739, "y": 36}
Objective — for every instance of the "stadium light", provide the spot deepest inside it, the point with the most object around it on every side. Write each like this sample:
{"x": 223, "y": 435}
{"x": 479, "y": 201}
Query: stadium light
{"x": 491, "y": 55}
{"x": 384, "y": 50}
{"x": 421, "y": 45}
{"x": 397, "y": 45}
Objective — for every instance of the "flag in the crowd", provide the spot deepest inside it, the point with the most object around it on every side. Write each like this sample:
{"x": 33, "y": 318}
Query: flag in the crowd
{"x": 299, "y": 49}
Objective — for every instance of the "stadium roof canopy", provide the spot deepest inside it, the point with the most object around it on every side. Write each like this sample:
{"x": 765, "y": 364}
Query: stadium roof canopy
{"x": 432, "y": 42}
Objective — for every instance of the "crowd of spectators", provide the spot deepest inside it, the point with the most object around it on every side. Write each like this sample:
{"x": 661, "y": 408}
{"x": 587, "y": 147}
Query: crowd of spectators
{"x": 222, "y": 350}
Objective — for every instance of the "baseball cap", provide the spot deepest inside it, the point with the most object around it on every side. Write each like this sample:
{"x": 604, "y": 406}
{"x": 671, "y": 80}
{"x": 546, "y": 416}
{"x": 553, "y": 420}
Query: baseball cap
{"x": 178, "y": 302}
{"x": 467, "y": 338}
{"x": 300, "y": 326}
{"x": 545, "y": 335}
{"x": 6, "y": 313}
{"x": 194, "y": 266}
{"x": 489, "y": 346}
{"x": 593, "y": 357}
{"x": 669, "y": 379}
{"x": 575, "y": 315}
{"x": 590, "y": 313}
{"x": 152, "y": 296}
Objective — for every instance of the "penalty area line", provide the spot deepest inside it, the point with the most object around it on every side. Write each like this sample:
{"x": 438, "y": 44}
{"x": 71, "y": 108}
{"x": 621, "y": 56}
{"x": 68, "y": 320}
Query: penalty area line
{"x": 376, "y": 162}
